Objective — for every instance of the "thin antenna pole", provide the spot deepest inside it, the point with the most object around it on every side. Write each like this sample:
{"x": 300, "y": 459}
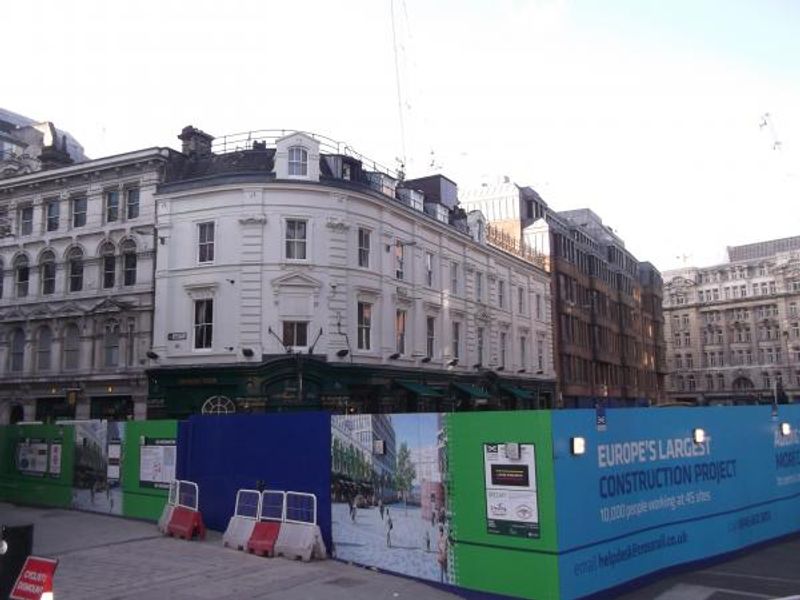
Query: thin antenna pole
{"x": 397, "y": 81}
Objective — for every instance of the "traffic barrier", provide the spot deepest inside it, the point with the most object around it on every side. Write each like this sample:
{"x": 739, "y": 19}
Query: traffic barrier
{"x": 299, "y": 535}
{"x": 245, "y": 515}
{"x": 166, "y": 514}
{"x": 186, "y": 521}
{"x": 272, "y": 509}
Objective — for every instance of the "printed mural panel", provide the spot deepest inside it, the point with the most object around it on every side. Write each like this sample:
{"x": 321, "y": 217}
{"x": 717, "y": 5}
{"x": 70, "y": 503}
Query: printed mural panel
{"x": 95, "y": 479}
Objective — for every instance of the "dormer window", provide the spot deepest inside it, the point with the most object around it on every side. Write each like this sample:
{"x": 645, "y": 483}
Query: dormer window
{"x": 298, "y": 161}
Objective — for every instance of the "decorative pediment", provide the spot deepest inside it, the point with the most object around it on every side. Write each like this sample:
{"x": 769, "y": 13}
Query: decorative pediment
{"x": 483, "y": 315}
{"x": 70, "y": 308}
{"x": 41, "y": 312}
{"x": 109, "y": 305}
{"x": 296, "y": 279}
{"x": 13, "y": 314}
{"x": 679, "y": 283}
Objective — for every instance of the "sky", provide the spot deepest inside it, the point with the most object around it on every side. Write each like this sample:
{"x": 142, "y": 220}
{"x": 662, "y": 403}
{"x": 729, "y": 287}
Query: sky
{"x": 648, "y": 112}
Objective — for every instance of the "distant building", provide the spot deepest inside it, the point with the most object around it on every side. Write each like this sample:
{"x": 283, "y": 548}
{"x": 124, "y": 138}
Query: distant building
{"x": 733, "y": 329}
{"x": 606, "y": 305}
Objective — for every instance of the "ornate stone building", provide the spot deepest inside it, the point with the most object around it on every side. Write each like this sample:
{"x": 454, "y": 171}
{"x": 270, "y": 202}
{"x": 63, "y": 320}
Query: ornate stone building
{"x": 733, "y": 330}
{"x": 76, "y": 279}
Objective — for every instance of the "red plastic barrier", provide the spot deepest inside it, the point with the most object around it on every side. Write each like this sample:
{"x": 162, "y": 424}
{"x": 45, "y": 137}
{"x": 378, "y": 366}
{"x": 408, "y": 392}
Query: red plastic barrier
{"x": 186, "y": 523}
{"x": 262, "y": 541}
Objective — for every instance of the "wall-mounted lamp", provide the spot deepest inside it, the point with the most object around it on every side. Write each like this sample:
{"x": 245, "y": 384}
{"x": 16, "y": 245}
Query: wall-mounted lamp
{"x": 151, "y": 355}
{"x": 540, "y": 372}
{"x": 521, "y": 371}
{"x": 501, "y": 368}
{"x": 786, "y": 429}
{"x": 477, "y": 366}
{"x": 577, "y": 445}
{"x": 248, "y": 352}
{"x": 394, "y": 356}
{"x": 229, "y": 348}
{"x": 427, "y": 359}
{"x": 452, "y": 363}
{"x": 342, "y": 353}
{"x": 699, "y": 435}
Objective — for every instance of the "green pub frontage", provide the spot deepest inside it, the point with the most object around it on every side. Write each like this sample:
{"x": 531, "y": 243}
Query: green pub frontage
{"x": 293, "y": 382}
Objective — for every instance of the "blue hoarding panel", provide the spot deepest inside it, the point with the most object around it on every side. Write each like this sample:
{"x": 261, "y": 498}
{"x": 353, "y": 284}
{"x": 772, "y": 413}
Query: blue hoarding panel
{"x": 648, "y": 495}
{"x": 223, "y": 454}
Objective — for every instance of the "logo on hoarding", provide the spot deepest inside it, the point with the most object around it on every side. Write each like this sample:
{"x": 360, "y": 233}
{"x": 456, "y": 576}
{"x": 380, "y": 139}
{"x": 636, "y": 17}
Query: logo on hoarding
{"x": 498, "y": 509}
{"x": 524, "y": 512}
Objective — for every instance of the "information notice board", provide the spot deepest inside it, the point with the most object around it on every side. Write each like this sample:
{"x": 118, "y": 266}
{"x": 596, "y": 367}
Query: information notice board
{"x": 511, "y": 504}
{"x": 157, "y": 462}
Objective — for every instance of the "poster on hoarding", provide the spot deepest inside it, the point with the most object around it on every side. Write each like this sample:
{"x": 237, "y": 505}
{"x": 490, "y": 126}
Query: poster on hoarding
{"x": 55, "y": 459}
{"x": 32, "y": 457}
{"x": 511, "y": 504}
{"x": 157, "y": 462}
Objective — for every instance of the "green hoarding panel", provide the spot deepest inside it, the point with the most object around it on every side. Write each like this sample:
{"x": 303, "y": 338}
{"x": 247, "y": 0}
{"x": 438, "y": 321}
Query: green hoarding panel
{"x": 142, "y": 500}
{"x": 502, "y": 501}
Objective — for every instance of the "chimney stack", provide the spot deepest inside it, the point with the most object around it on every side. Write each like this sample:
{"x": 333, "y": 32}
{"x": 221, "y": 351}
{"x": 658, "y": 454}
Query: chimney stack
{"x": 196, "y": 143}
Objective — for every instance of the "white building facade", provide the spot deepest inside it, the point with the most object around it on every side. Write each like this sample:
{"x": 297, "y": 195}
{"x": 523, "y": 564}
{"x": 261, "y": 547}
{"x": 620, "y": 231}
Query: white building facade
{"x": 356, "y": 290}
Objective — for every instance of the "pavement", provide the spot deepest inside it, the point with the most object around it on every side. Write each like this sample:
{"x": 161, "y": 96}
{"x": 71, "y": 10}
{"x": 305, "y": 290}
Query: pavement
{"x": 112, "y": 558}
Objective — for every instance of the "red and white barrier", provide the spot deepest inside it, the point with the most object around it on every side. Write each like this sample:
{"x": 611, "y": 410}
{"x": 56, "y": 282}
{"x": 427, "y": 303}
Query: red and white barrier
{"x": 272, "y": 511}
{"x": 299, "y": 535}
{"x": 244, "y": 519}
{"x": 185, "y": 520}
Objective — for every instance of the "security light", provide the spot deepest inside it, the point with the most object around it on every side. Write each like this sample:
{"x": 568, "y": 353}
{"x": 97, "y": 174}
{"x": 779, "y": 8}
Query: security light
{"x": 394, "y": 356}
{"x": 786, "y": 429}
{"x": 578, "y": 445}
{"x": 248, "y": 352}
{"x": 342, "y": 353}
{"x": 152, "y": 355}
{"x": 699, "y": 435}
{"x": 452, "y": 363}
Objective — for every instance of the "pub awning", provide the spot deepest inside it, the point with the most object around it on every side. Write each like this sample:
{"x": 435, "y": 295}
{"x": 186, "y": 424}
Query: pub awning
{"x": 518, "y": 393}
{"x": 472, "y": 390}
{"x": 419, "y": 389}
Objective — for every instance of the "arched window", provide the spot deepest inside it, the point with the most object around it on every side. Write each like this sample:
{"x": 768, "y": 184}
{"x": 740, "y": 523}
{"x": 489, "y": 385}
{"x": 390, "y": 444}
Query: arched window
{"x": 44, "y": 344}
{"x": 47, "y": 272}
{"x": 128, "y": 249}
{"x": 17, "y": 350}
{"x": 71, "y": 347}
{"x": 109, "y": 263}
{"x": 298, "y": 161}
{"x": 21, "y": 275}
{"x": 111, "y": 345}
{"x": 75, "y": 264}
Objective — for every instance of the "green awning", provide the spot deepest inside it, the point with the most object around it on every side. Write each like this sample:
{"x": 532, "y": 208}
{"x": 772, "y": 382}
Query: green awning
{"x": 419, "y": 389}
{"x": 473, "y": 390}
{"x": 518, "y": 393}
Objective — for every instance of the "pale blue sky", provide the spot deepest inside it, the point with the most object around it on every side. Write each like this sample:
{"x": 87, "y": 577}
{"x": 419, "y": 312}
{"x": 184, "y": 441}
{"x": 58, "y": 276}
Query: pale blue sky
{"x": 647, "y": 112}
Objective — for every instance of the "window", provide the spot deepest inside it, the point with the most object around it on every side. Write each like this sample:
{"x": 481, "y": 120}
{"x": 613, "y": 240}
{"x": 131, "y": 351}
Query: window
{"x": 709, "y": 381}
{"x": 296, "y": 239}
{"x": 75, "y": 265}
{"x": 478, "y": 286}
{"x": 205, "y": 242}
{"x": 2, "y": 276}
{"x": 429, "y": 269}
{"x": 690, "y": 383}
{"x": 456, "y": 350}
{"x": 51, "y": 210}
{"x": 132, "y": 203}
{"x": 539, "y": 307}
{"x": 26, "y": 220}
{"x": 203, "y": 323}
{"x": 364, "y": 325}
{"x": 720, "y": 381}
{"x": 523, "y": 351}
{"x": 689, "y": 361}
{"x": 71, "y": 347}
{"x": 43, "y": 347}
{"x": 47, "y": 270}
{"x": 678, "y": 361}
{"x": 399, "y": 259}
{"x": 111, "y": 345}
{"x": 503, "y": 349}
{"x": 454, "y": 279}
{"x": 21, "y": 275}
{"x": 363, "y": 247}
{"x": 521, "y": 300}
{"x": 400, "y": 332}
{"x": 78, "y": 212}
{"x": 128, "y": 249}
{"x": 430, "y": 336}
{"x": 540, "y": 354}
{"x": 295, "y": 333}
{"x": 17, "y": 351}
{"x": 298, "y": 161}
{"x": 501, "y": 293}
{"x": 109, "y": 262}
{"x": 112, "y": 206}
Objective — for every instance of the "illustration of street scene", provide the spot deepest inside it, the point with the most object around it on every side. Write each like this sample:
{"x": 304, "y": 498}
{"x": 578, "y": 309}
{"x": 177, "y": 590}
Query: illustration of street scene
{"x": 96, "y": 480}
{"x": 388, "y": 499}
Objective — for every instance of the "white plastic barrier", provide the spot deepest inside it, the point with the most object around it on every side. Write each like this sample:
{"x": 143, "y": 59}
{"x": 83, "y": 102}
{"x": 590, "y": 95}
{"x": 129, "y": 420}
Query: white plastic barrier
{"x": 166, "y": 514}
{"x": 300, "y": 536}
{"x": 246, "y": 514}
